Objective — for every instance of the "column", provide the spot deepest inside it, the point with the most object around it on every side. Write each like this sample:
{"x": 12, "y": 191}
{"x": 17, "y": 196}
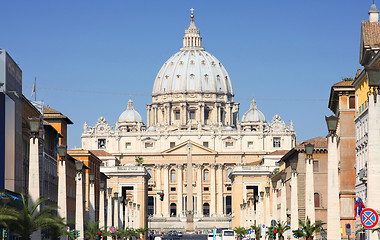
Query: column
{"x": 126, "y": 214}
{"x": 267, "y": 208}
{"x": 159, "y": 189}
{"x": 138, "y": 216}
{"x": 166, "y": 190}
{"x": 309, "y": 190}
{"x": 34, "y": 177}
{"x": 116, "y": 210}
{"x": 260, "y": 210}
{"x": 294, "y": 201}
{"x": 220, "y": 184}
{"x": 121, "y": 204}
{"x": 274, "y": 203}
{"x": 130, "y": 210}
{"x": 199, "y": 190}
{"x": 333, "y": 213}
{"x": 62, "y": 204}
{"x": 213, "y": 190}
{"x": 135, "y": 218}
{"x": 92, "y": 203}
{"x": 283, "y": 202}
{"x": 179, "y": 189}
{"x": 101, "y": 208}
{"x": 109, "y": 210}
{"x": 201, "y": 113}
{"x": 79, "y": 205}
{"x": 183, "y": 113}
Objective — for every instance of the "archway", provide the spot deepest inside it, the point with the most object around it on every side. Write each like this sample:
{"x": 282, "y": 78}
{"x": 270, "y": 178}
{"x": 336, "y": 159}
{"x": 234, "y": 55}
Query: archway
{"x": 173, "y": 210}
{"x": 206, "y": 209}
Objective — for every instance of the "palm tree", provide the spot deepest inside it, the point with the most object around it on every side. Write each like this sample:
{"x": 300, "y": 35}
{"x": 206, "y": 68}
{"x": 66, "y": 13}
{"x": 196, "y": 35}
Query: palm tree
{"x": 29, "y": 219}
{"x": 308, "y": 230}
{"x": 281, "y": 228}
{"x": 240, "y": 231}
{"x": 141, "y": 232}
{"x": 91, "y": 230}
{"x": 257, "y": 230}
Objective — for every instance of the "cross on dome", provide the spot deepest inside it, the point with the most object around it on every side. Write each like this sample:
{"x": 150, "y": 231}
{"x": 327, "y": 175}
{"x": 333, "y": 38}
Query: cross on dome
{"x": 253, "y": 103}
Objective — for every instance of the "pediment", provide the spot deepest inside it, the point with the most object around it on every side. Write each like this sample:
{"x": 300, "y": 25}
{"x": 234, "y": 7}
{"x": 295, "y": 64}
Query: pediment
{"x": 183, "y": 148}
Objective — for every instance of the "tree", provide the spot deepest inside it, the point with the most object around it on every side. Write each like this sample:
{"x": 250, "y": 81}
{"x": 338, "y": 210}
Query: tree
{"x": 308, "y": 230}
{"x": 139, "y": 161}
{"x": 240, "y": 231}
{"x": 142, "y": 231}
{"x": 91, "y": 230}
{"x": 281, "y": 228}
{"x": 28, "y": 218}
{"x": 257, "y": 230}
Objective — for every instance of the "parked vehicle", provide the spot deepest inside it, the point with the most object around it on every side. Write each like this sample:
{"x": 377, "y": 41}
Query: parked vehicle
{"x": 228, "y": 235}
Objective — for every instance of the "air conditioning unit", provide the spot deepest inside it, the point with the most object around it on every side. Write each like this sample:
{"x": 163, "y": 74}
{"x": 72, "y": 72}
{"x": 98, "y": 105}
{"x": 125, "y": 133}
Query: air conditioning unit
{"x": 363, "y": 175}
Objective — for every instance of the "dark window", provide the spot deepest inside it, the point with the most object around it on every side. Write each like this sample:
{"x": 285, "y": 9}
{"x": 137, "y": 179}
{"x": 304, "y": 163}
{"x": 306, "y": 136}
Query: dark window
{"x": 205, "y": 144}
{"x": 192, "y": 114}
{"x": 172, "y": 144}
{"x": 150, "y": 189}
{"x": 129, "y": 188}
{"x": 352, "y": 102}
{"x": 315, "y": 166}
{"x": 172, "y": 189}
{"x": 206, "y": 189}
{"x": 150, "y": 205}
{"x": 206, "y": 209}
{"x": 276, "y": 142}
{"x": 228, "y": 204}
{"x": 207, "y": 113}
{"x": 101, "y": 143}
{"x": 173, "y": 210}
{"x": 228, "y": 188}
{"x": 177, "y": 115}
{"x": 317, "y": 201}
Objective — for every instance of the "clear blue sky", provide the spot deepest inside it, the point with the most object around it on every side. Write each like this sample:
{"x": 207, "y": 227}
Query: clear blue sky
{"x": 274, "y": 50}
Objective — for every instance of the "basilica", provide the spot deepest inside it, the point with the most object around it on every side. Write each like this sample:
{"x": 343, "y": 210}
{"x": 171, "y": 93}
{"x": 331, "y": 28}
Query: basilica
{"x": 200, "y": 163}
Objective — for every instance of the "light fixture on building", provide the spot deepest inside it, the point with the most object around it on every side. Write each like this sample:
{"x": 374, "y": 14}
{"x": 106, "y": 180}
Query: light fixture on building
{"x": 274, "y": 184}
{"x": 92, "y": 177}
{"x": 332, "y": 124}
{"x": 102, "y": 185}
{"x": 262, "y": 194}
{"x": 109, "y": 191}
{"x": 138, "y": 206}
{"x": 62, "y": 150}
{"x": 267, "y": 189}
{"x": 293, "y": 165}
{"x": 309, "y": 149}
{"x": 79, "y": 165}
{"x": 115, "y": 195}
{"x": 248, "y": 203}
{"x": 35, "y": 124}
{"x": 283, "y": 176}
{"x": 257, "y": 198}
{"x": 373, "y": 76}
{"x": 241, "y": 206}
{"x": 130, "y": 203}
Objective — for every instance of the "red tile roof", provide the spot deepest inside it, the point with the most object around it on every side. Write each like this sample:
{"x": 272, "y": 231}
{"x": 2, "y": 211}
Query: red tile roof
{"x": 50, "y": 113}
{"x": 343, "y": 83}
{"x": 319, "y": 142}
{"x": 101, "y": 153}
{"x": 370, "y": 33}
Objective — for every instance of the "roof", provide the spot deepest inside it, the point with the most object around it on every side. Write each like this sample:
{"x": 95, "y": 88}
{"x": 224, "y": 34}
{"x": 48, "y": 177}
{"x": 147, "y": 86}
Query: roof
{"x": 319, "y": 142}
{"x": 279, "y": 152}
{"x": 343, "y": 83}
{"x": 371, "y": 33}
{"x": 101, "y": 153}
{"x": 50, "y": 113}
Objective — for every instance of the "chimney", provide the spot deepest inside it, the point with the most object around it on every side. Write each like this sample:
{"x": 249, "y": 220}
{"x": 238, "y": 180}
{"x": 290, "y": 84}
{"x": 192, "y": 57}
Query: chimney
{"x": 373, "y": 14}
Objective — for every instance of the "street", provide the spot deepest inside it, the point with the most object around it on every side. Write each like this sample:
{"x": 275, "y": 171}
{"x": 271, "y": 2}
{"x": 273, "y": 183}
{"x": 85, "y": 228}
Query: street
{"x": 185, "y": 237}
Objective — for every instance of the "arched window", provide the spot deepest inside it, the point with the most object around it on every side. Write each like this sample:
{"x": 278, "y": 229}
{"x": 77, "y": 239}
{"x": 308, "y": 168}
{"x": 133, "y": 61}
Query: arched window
{"x": 206, "y": 209}
{"x": 173, "y": 210}
{"x": 172, "y": 175}
{"x": 317, "y": 200}
{"x": 205, "y": 175}
{"x": 150, "y": 171}
{"x": 229, "y": 170}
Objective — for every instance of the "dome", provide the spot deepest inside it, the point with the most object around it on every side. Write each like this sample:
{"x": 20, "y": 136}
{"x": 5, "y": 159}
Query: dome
{"x": 130, "y": 115}
{"x": 192, "y": 69}
{"x": 253, "y": 114}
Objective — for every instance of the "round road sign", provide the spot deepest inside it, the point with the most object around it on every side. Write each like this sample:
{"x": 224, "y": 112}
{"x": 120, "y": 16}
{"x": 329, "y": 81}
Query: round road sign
{"x": 369, "y": 218}
{"x": 112, "y": 229}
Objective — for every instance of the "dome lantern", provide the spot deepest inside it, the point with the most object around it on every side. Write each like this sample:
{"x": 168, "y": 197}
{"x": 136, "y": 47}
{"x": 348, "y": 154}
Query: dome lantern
{"x": 192, "y": 38}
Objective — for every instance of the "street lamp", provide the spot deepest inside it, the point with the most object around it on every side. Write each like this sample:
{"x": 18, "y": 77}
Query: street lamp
{"x": 102, "y": 185}
{"x": 62, "y": 150}
{"x": 262, "y": 194}
{"x": 109, "y": 191}
{"x": 35, "y": 123}
{"x": 293, "y": 165}
{"x": 257, "y": 198}
{"x": 309, "y": 148}
{"x": 283, "y": 176}
{"x": 92, "y": 177}
{"x": 115, "y": 194}
{"x": 274, "y": 184}
{"x": 373, "y": 76}
{"x": 241, "y": 206}
{"x": 332, "y": 124}
{"x": 267, "y": 189}
{"x": 79, "y": 165}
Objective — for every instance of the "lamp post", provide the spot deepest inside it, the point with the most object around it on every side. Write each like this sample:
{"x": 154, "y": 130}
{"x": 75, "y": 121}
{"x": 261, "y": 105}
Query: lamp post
{"x": 62, "y": 196}
{"x": 116, "y": 210}
{"x": 274, "y": 200}
{"x": 109, "y": 210}
{"x": 126, "y": 213}
{"x": 101, "y": 204}
{"x": 34, "y": 166}
{"x": 91, "y": 209}
{"x": 333, "y": 213}
{"x": 267, "y": 205}
{"x": 79, "y": 199}
{"x": 283, "y": 196}
{"x": 309, "y": 183}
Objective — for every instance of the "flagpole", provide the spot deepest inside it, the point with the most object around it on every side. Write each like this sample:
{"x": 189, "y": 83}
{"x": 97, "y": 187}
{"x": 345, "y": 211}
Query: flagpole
{"x": 35, "y": 93}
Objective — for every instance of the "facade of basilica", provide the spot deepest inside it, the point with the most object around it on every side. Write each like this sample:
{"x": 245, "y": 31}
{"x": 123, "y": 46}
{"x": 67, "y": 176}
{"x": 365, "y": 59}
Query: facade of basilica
{"x": 210, "y": 165}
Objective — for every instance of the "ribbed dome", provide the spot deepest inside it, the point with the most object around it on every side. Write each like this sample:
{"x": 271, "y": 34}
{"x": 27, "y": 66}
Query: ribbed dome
{"x": 192, "y": 69}
{"x": 253, "y": 114}
{"x": 130, "y": 115}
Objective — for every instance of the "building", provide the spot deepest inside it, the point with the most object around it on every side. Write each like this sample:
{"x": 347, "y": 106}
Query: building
{"x": 11, "y": 160}
{"x": 192, "y": 141}
{"x": 367, "y": 114}
{"x": 342, "y": 104}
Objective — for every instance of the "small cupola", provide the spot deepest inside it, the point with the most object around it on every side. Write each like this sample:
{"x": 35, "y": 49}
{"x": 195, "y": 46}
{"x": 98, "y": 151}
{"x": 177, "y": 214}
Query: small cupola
{"x": 373, "y": 14}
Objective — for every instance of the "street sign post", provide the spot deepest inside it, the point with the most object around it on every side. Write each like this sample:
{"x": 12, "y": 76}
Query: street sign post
{"x": 263, "y": 230}
{"x": 348, "y": 229}
{"x": 112, "y": 229}
{"x": 369, "y": 218}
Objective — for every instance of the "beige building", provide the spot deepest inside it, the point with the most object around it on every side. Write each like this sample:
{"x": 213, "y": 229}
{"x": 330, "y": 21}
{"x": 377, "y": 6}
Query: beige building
{"x": 193, "y": 135}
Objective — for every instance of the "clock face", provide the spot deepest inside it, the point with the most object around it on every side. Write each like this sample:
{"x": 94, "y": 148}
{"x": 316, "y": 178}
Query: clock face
{"x": 101, "y": 128}
{"x": 276, "y": 127}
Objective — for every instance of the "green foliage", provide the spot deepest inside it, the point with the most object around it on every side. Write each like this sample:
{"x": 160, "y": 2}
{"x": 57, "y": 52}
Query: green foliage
{"x": 348, "y": 79}
{"x": 257, "y": 230}
{"x": 91, "y": 230}
{"x": 29, "y": 218}
{"x": 275, "y": 171}
{"x": 241, "y": 231}
{"x": 139, "y": 161}
{"x": 281, "y": 228}
{"x": 307, "y": 230}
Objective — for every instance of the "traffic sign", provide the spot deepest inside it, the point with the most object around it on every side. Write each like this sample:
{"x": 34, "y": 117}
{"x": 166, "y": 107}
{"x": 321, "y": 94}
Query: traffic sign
{"x": 348, "y": 229}
{"x": 249, "y": 232}
{"x": 263, "y": 230}
{"x": 112, "y": 229}
{"x": 369, "y": 218}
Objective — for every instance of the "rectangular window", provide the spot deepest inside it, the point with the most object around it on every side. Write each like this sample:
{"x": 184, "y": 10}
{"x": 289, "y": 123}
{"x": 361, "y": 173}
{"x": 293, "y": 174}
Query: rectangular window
{"x": 276, "y": 142}
{"x": 177, "y": 115}
{"x": 315, "y": 166}
{"x": 148, "y": 145}
{"x": 128, "y": 145}
{"x": 150, "y": 189}
{"x": 229, "y": 144}
{"x": 250, "y": 144}
{"x": 192, "y": 114}
{"x": 207, "y": 113}
{"x": 172, "y": 144}
{"x": 228, "y": 188}
{"x": 101, "y": 143}
{"x": 205, "y": 144}
{"x": 352, "y": 102}
{"x": 172, "y": 189}
{"x": 206, "y": 189}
